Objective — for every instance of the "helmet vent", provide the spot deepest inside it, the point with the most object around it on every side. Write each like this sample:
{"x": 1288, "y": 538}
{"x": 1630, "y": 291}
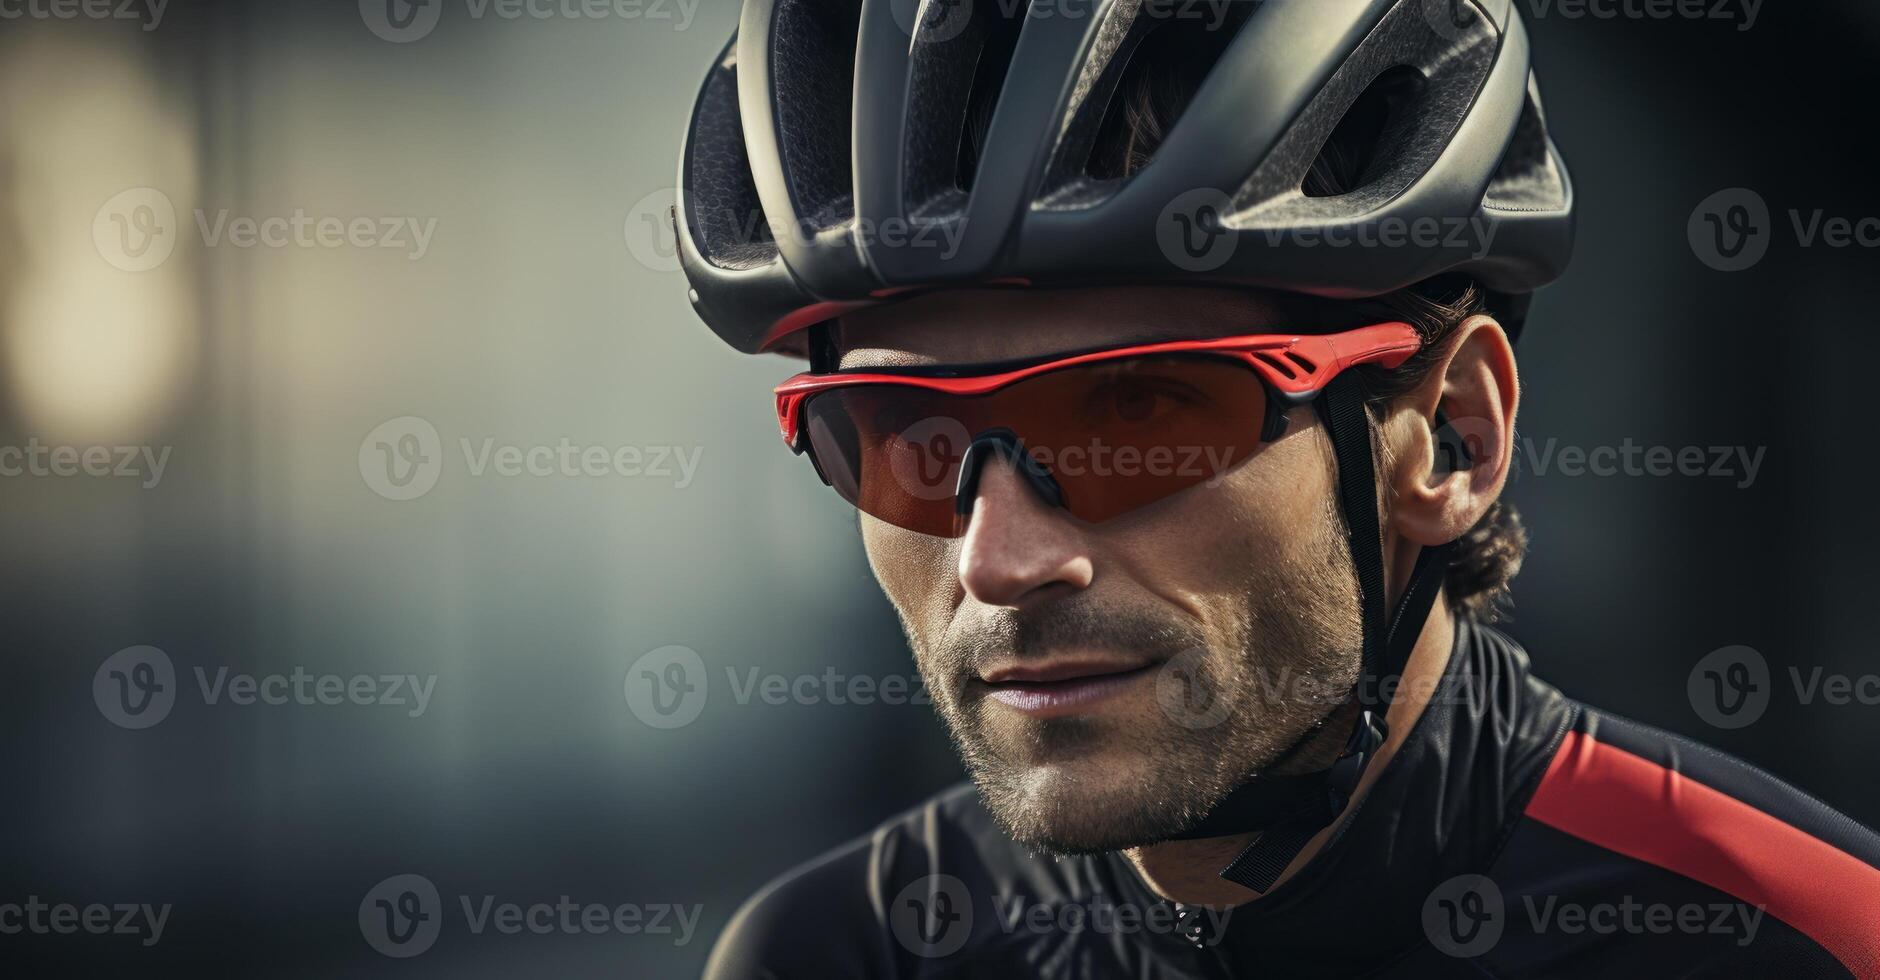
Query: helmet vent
{"x": 1144, "y": 66}
{"x": 1378, "y": 125}
{"x": 961, "y": 53}
{"x": 812, "y": 62}
{"x": 727, "y": 221}
{"x": 1368, "y": 136}
{"x": 1530, "y": 177}
{"x": 1164, "y": 71}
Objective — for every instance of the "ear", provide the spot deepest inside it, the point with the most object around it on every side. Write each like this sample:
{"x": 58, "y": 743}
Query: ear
{"x": 1475, "y": 386}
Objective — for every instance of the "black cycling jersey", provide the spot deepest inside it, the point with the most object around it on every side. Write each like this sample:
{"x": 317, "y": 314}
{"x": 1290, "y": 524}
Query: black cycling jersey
{"x": 1516, "y": 833}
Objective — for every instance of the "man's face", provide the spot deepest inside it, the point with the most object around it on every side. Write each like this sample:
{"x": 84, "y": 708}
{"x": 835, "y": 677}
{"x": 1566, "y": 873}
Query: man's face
{"x": 1108, "y": 684}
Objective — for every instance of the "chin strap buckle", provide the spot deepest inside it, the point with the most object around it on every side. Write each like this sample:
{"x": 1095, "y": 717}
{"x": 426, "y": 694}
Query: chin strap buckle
{"x": 1367, "y": 736}
{"x": 1198, "y": 925}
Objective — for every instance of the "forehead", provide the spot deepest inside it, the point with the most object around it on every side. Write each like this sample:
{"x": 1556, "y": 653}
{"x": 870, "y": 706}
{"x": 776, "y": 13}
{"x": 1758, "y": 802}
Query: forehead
{"x": 986, "y": 325}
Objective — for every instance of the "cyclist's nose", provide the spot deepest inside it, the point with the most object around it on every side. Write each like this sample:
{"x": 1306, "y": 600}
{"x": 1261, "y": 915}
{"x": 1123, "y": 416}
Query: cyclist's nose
{"x": 1017, "y": 547}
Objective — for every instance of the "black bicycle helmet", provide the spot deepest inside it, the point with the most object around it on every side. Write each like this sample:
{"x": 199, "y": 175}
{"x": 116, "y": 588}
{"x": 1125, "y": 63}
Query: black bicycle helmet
{"x": 825, "y": 167}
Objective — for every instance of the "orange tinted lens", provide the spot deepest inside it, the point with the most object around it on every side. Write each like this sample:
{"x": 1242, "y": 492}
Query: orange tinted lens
{"x": 894, "y": 451}
{"x": 1116, "y": 435}
{"x": 1124, "y": 434}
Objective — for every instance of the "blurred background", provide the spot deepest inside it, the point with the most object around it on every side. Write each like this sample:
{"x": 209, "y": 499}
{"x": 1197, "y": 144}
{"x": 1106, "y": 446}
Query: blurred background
{"x": 286, "y": 459}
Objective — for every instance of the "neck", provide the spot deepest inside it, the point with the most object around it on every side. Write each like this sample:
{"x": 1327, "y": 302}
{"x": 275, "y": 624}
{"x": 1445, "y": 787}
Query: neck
{"x": 1188, "y": 871}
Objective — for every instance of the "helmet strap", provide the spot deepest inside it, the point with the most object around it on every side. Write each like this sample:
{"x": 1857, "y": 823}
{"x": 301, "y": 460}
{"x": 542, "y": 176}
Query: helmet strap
{"x": 1288, "y": 811}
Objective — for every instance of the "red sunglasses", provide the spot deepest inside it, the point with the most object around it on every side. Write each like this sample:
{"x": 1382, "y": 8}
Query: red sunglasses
{"x": 1099, "y": 433}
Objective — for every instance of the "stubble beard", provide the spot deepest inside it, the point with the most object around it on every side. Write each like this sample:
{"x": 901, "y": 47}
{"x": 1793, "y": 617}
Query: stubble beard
{"x": 1080, "y": 785}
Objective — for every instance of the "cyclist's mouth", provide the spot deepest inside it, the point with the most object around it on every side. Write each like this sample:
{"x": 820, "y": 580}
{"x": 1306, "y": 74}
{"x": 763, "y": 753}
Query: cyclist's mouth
{"x": 1067, "y": 687}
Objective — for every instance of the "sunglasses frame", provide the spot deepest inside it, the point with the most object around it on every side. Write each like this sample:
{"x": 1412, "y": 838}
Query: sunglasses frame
{"x": 1294, "y": 368}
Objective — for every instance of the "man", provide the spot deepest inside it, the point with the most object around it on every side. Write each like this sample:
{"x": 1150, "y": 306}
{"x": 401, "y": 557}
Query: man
{"x": 1167, "y": 353}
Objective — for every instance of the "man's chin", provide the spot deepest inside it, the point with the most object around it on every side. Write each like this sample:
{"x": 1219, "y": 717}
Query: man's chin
{"x": 1090, "y": 804}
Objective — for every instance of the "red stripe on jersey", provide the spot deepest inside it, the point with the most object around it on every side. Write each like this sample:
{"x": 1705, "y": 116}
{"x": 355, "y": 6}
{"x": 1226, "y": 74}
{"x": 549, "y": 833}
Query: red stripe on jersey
{"x": 1619, "y": 801}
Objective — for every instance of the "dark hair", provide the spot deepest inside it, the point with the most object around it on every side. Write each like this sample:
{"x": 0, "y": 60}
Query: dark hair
{"x": 1155, "y": 89}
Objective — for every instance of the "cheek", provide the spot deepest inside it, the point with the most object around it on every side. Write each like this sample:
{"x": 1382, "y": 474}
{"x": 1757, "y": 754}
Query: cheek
{"x": 1283, "y": 495}
{"x": 918, "y": 572}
